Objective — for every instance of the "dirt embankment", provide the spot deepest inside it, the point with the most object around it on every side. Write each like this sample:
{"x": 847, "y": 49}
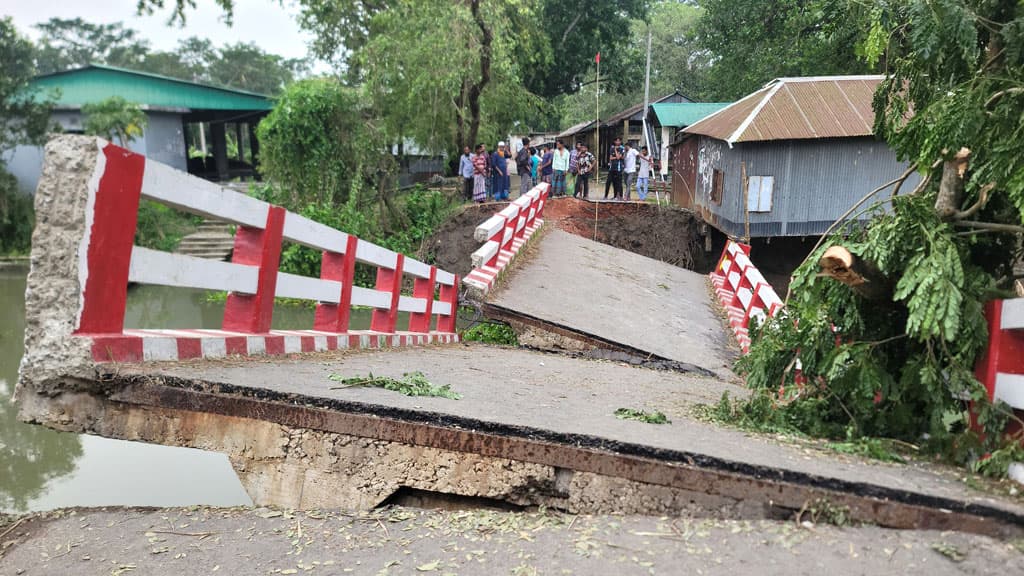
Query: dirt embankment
{"x": 664, "y": 233}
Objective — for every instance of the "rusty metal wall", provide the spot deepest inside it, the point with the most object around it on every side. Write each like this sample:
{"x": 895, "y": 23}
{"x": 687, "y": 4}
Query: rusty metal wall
{"x": 815, "y": 181}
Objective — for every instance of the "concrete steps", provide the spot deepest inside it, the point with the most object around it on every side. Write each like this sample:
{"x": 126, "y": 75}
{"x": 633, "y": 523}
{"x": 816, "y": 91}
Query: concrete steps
{"x": 213, "y": 240}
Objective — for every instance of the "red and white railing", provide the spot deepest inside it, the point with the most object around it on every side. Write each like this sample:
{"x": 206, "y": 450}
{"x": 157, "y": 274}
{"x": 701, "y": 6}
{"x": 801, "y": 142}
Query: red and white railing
{"x": 1001, "y": 366}
{"x": 504, "y": 234}
{"x": 743, "y": 291}
{"x": 109, "y": 260}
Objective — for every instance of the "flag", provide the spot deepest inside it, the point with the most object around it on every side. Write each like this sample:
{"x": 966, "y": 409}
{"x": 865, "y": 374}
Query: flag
{"x": 597, "y": 58}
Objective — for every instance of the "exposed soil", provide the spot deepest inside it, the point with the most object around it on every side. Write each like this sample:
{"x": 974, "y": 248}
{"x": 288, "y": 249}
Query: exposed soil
{"x": 452, "y": 244}
{"x": 664, "y": 233}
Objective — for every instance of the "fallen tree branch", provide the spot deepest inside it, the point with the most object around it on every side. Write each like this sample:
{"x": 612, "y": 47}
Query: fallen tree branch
{"x": 994, "y": 226}
{"x": 982, "y": 200}
{"x": 861, "y": 276}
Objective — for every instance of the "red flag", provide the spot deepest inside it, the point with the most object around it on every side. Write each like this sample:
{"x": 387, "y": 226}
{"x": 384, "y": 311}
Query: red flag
{"x": 597, "y": 58}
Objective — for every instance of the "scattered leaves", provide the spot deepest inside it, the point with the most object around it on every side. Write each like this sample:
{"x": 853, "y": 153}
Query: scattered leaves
{"x": 653, "y": 417}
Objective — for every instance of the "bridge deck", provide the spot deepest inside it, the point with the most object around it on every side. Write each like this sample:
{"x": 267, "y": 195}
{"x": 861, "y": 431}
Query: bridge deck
{"x": 622, "y": 297}
{"x": 567, "y": 401}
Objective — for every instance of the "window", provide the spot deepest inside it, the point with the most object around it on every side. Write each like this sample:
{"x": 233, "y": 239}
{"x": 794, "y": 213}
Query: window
{"x": 759, "y": 193}
{"x": 717, "y": 185}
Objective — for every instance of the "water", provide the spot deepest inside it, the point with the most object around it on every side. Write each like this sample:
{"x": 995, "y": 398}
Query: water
{"x": 41, "y": 469}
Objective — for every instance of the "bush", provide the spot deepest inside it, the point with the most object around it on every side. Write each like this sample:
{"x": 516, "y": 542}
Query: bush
{"x": 161, "y": 227}
{"x": 491, "y": 333}
{"x": 17, "y": 217}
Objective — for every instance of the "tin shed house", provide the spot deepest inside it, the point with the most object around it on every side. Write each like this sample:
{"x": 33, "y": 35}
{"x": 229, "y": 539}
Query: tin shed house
{"x": 787, "y": 160}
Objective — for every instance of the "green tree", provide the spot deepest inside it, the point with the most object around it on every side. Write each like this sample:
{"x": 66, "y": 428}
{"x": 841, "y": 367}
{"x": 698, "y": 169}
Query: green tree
{"x": 897, "y": 360}
{"x": 320, "y": 143}
{"x": 24, "y": 119}
{"x": 754, "y": 41}
{"x": 113, "y": 118}
{"x": 73, "y": 42}
{"x": 247, "y": 67}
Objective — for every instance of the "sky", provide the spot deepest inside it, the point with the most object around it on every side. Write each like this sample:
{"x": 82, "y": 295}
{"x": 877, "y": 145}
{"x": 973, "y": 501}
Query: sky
{"x": 265, "y": 22}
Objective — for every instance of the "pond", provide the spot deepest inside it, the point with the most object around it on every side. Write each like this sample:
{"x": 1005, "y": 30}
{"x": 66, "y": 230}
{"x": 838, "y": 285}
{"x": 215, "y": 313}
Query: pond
{"x": 41, "y": 469}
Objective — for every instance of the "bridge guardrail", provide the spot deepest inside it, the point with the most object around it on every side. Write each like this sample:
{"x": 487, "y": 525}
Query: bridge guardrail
{"x": 743, "y": 291}
{"x": 1001, "y": 367}
{"x": 504, "y": 234}
{"x": 107, "y": 260}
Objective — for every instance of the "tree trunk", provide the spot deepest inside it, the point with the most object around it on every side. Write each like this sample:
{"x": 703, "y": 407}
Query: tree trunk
{"x": 860, "y": 275}
{"x": 951, "y": 187}
{"x": 476, "y": 89}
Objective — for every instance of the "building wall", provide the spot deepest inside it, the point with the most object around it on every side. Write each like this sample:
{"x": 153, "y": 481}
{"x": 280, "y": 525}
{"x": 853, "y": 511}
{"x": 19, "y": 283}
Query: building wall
{"x": 162, "y": 140}
{"x": 815, "y": 181}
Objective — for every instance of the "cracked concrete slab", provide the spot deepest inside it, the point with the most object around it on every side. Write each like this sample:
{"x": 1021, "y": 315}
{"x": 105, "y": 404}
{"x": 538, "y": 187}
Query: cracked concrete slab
{"x": 620, "y": 296}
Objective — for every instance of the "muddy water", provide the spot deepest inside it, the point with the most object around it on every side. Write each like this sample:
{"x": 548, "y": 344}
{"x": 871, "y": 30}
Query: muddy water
{"x": 42, "y": 469}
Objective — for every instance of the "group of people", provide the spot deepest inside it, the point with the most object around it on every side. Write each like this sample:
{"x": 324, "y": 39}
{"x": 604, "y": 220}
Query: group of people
{"x": 625, "y": 162}
{"x": 487, "y": 175}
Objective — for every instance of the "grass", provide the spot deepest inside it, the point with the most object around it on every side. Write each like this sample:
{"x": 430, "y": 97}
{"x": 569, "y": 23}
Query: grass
{"x": 653, "y": 417}
{"x": 491, "y": 333}
{"x": 411, "y": 384}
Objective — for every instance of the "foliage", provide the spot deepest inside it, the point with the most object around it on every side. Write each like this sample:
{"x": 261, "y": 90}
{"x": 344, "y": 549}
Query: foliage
{"x": 161, "y": 227}
{"x": 24, "y": 117}
{"x": 411, "y": 384}
{"x": 652, "y": 417}
{"x": 114, "y": 117}
{"x": 17, "y": 217}
{"x": 321, "y": 143}
{"x": 491, "y": 333}
{"x": 74, "y": 42}
{"x": 751, "y": 42}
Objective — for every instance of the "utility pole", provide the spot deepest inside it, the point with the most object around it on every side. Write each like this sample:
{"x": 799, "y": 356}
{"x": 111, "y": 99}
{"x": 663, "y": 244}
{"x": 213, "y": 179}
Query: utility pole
{"x": 597, "y": 120}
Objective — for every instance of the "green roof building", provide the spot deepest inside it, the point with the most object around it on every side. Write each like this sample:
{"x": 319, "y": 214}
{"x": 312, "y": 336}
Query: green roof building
{"x": 667, "y": 118}
{"x": 181, "y": 116}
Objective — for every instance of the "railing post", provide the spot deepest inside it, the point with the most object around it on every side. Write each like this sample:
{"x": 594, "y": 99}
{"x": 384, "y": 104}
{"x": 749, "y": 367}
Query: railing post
{"x": 340, "y": 268}
{"x": 423, "y": 288}
{"x": 388, "y": 281}
{"x": 253, "y": 313}
{"x": 111, "y": 237}
{"x": 449, "y": 294}
{"x": 499, "y": 237}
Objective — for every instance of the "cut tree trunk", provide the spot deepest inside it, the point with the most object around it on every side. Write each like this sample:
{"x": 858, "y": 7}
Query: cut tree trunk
{"x": 861, "y": 276}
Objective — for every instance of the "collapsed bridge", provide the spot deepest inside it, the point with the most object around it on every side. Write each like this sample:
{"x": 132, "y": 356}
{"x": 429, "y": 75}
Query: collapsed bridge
{"x": 530, "y": 428}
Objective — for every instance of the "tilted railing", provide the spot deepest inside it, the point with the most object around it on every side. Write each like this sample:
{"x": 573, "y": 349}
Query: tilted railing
{"x": 504, "y": 234}
{"x": 108, "y": 261}
{"x": 743, "y": 291}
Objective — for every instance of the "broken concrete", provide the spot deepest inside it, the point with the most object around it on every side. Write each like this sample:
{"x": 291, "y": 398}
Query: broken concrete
{"x": 53, "y": 297}
{"x": 612, "y": 294}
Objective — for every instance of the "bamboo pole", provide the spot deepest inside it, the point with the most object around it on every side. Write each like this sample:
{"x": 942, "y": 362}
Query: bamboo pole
{"x": 746, "y": 203}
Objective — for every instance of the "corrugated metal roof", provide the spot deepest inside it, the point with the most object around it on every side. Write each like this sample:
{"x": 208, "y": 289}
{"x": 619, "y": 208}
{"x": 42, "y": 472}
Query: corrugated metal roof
{"x": 797, "y": 109}
{"x": 679, "y": 114}
{"x": 95, "y": 83}
{"x": 618, "y": 117}
{"x": 576, "y": 129}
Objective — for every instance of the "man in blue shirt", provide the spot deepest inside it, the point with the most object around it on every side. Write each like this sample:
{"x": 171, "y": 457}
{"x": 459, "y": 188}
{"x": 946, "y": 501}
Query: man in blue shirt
{"x": 466, "y": 171}
{"x": 499, "y": 173}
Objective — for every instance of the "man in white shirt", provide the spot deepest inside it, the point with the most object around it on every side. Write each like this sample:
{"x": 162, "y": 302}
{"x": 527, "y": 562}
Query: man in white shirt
{"x": 644, "y": 174}
{"x": 630, "y": 169}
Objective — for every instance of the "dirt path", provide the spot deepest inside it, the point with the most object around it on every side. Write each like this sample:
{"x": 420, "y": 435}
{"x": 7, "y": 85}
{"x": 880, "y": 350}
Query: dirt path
{"x": 398, "y": 541}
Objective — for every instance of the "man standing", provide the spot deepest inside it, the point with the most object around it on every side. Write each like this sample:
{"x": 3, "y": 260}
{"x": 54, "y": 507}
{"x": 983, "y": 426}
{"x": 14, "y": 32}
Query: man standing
{"x": 545, "y": 164}
{"x": 499, "y": 170}
{"x": 630, "y": 168}
{"x": 480, "y": 168}
{"x": 615, "y": 158}
{"x": 466, "y": 171}
{"x": 560, "y": 165}
{"x": 523, "y": 167}
{"x": 644, "y": 173}
{"x": 574, "y": 164}
{"x": 585, "y": 167}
